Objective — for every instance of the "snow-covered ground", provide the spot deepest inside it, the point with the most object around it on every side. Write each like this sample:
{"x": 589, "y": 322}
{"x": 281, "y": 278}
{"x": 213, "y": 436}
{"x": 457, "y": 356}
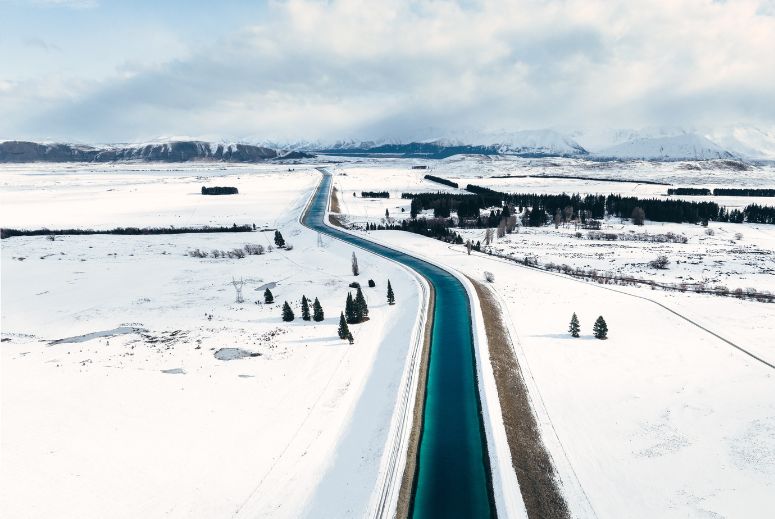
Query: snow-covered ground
{"x": 660, "y": 420}
{"x": 663, "y": 419}
{"x": 137, "y": 413}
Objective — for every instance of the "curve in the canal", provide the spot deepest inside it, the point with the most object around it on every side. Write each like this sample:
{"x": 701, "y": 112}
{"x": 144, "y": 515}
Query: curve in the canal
{"x": 453, "y": 472}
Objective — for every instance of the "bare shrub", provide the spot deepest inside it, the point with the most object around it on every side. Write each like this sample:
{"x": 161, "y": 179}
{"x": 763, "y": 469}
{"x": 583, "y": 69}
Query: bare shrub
{"x": 738, "y": 236}
{"x": 638, "y": 216}
{"x": 254, "y": 249}
{"x": 660, "y": 262}
{"x": 710, "y": 232}
{"x": 489, "y": 277}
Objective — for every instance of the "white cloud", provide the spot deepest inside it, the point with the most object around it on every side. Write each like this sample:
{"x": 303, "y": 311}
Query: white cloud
{"x": 341, "y": 69}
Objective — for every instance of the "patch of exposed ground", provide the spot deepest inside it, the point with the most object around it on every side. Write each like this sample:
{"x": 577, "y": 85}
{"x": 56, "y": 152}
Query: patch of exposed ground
{"x": 538, "y": 483}
{"x": 334, "y": 217}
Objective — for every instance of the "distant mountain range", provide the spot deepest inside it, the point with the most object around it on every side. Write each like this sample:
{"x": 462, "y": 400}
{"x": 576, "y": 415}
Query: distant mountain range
{"x": 176, "y": 151}
{"x": 654, "y": 145}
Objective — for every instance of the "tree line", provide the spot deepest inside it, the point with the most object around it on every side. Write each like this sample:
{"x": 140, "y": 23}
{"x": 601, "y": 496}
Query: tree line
{"x": 440, "y": 180}
{"x": 219, "y": 190}
{"x": 375, "y": 194}
{"x": 128, "y": 231}
{"x": 721, "y": 191}
{"x": 688, "y": 191}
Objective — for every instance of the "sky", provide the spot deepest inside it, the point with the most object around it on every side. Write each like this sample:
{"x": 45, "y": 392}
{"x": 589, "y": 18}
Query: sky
{"x": 101, "y": 71}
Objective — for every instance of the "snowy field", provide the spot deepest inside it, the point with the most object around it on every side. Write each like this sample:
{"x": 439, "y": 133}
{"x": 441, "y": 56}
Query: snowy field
{"x": 141, "y": 408}
{"x": 660, "y": 420}
{"x": 122, "y": 397}
{"x": 663, "y": 419}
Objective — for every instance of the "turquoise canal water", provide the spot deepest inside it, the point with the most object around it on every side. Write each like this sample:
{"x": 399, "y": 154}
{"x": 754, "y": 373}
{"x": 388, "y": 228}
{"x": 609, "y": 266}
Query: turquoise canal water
{"x": 453, "y": 473}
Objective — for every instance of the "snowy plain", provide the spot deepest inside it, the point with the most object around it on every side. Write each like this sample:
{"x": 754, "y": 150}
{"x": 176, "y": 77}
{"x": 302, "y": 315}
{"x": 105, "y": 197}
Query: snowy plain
{"x": 660, "y": 420}
{"x": 150, "y": 422}
{"x": 663, "y": 419}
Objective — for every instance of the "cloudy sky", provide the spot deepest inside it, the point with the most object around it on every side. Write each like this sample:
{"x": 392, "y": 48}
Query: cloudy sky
{"x": 108, "y": 71}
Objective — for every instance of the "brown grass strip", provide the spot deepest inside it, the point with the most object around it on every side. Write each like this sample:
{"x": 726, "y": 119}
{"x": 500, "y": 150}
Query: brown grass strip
{"x": 335, "y": 202}
{"x": 413, "y": 450}
{"x": 335, "y": 219}
{"x": 531, "y": 461}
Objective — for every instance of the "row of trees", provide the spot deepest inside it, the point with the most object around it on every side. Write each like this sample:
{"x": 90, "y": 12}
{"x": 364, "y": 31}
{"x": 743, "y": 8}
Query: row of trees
{"x": 721, "y": 191}
{"x": 374, "y": 194}
{"x": 219, "y": 190}
{"x": 440, "y": 180}
{"x": 317, "y": 314}
{"x": 535, "y": 209}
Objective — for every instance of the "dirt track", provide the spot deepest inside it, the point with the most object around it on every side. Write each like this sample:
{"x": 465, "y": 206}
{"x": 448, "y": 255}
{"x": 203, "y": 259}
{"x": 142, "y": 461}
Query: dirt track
{"x": 535, "y": 472}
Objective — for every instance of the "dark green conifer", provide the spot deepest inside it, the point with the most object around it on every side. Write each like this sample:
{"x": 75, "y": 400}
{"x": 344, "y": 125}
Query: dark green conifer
{"x": 574, "y": 326}
{"x": 600, "y": 329}
{"x": 278, "y": 239}
{"x": 317, "y": 311}
{"x": 350, "y": 310}
{"x": 305, "y": 308}
{"x": 361, "y": 308}
{"x": 287, "y": 312}
{"x": 268, "y": 297}
{"x": 343, "y": 330}
{"x": 391, "y": 298}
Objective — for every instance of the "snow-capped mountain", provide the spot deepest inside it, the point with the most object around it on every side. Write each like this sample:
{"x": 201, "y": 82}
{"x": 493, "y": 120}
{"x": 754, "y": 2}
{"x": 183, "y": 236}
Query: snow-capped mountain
{"x": 523, "y": 143}
{"x": 677, "y": 147}
{"x": 746, "y": 141}
{"x": 532, "y": 142}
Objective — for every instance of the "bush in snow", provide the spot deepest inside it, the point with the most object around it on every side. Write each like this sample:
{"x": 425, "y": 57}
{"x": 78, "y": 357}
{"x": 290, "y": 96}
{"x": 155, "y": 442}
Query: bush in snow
{"x": 490, "y": 277}
{"x": 660, "y": 262}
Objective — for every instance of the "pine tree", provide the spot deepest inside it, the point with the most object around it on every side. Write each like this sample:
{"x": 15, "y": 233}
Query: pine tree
{"x": 390, "y": 296}
{"x": 287, "y": 312}
{"x": 343, "y": 330}
{"x": 268, "y": 297}
{"x": 361, "y": 308}
{"x": 350, "y": 337}
{"x": 350, "y": 311}
{"x": 600, "y": 329}
{"x": 305, "y": 308}
{"x": 317, "y": 311}
{"x": 354, "y": 265}
{"x": 278, "y": 239}
{"x": 574, "y": 326}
